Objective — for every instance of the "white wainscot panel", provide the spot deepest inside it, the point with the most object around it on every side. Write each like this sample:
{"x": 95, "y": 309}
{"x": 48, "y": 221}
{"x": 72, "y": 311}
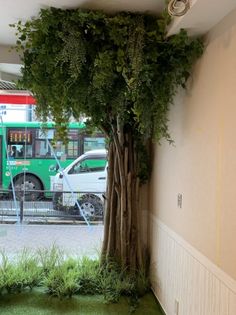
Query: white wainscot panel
{"x": 184, "y": 281}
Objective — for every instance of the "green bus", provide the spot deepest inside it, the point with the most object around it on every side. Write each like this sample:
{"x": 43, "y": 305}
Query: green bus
{"x": 28, "y": 158}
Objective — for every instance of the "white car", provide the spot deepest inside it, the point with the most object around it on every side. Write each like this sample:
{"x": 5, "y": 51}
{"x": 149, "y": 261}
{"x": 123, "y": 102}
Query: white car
{"x": 82, "y": 182}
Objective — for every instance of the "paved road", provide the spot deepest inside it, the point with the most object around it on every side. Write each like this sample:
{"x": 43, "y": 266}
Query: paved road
{"x": 73, "y": 239}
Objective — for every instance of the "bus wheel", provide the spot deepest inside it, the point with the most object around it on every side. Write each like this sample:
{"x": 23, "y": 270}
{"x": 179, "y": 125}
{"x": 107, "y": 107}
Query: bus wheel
{"x": 28, "y": 185}
{"x": 91, "y": 206}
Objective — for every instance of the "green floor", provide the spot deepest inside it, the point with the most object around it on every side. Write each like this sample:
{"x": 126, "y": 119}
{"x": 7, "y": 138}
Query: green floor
{"x": 40, "y": 304}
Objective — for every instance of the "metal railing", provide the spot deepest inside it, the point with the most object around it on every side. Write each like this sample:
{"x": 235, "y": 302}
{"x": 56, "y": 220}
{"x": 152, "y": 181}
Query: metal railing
{"x": 51, "y": 206}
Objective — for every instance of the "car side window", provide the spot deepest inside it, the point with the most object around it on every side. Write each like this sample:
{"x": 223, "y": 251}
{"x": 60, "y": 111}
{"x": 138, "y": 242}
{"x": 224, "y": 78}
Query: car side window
{"x": 88, "y": 165}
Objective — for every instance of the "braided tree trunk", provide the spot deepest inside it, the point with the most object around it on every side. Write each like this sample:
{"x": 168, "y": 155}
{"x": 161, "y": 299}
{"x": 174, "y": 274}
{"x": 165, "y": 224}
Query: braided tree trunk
{"x": 121, "y": 227}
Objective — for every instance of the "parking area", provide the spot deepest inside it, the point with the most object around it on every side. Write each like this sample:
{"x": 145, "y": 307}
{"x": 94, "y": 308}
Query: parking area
{"x": 76, "y": 240}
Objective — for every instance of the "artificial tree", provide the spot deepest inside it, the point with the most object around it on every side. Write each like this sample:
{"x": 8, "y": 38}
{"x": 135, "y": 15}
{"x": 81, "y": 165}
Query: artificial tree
{"x": 122, "y": 72}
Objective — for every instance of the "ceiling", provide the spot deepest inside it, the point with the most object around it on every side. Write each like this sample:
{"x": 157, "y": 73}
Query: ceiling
{"x": 12, "y": 11}
{"x": 201, "y": 17}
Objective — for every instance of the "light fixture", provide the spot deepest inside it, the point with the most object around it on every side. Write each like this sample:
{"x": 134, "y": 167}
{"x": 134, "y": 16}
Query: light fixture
{"x": 178, "y": 7}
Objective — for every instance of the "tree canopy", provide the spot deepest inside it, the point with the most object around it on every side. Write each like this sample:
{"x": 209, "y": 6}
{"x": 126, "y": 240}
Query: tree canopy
{"x": 122, "y": 72}
{"x": 104, "y": 66}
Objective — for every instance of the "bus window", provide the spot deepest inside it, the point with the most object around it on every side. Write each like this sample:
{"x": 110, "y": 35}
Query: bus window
{"x": 20, "y": 151}
{"x": 20, "y": 142}
{"x": 72, "y": 149}
{"x": 42, "y": 149}
{"x": 45, "y": 134}
{"x": 59, "y": 150}
{"x": 12, "y": 151}
{"x": 28, "y": 150}
{"x": 93, "y": 143}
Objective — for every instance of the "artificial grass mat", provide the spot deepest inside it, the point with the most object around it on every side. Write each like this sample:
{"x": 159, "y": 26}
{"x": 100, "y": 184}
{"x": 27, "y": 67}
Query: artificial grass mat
{"x": 38, "y": 303}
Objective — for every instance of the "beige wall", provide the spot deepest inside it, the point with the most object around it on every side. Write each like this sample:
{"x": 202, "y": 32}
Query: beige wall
{"x": 202, "y": 163}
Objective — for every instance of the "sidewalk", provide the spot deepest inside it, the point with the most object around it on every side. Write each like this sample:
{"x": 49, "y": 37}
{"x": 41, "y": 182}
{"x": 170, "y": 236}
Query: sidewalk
{"x": 76, "y": 240}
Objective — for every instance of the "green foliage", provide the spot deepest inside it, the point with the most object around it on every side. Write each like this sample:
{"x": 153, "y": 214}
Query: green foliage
{"x": 63, "y": 276}
{"x": 87, "y": 62}
{"x": 115, "y": 283}
{"x": 89, "y": 276}
{"x": 24, "y": 273}
{"x": 62, "y": 280}
{"x": 27, "y": 267}
{"x": 49, "y": 258}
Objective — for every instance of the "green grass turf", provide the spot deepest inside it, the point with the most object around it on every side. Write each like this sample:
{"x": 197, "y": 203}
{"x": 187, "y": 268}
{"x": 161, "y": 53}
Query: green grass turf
{"x": 37, "y": 303}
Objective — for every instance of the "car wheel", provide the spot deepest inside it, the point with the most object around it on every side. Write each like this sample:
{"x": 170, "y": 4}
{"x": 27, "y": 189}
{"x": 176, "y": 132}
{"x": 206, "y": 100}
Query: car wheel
{"x": 91, "y": 206}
